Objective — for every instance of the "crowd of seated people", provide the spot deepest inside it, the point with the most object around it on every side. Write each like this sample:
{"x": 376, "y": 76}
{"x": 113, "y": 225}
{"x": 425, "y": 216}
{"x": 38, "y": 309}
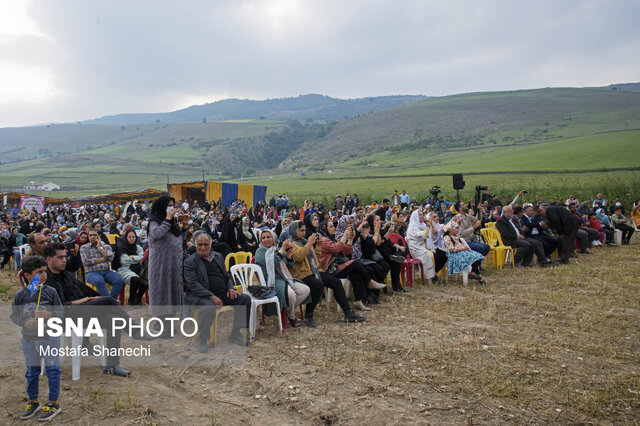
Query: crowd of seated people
{"x": 303, "y": 251}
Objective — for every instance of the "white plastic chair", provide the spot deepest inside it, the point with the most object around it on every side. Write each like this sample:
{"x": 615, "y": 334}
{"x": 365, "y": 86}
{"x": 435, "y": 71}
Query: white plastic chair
{"x": 76, "y": 360}
{"x": 23, "y": 250}
{"x": 245, "y": 274}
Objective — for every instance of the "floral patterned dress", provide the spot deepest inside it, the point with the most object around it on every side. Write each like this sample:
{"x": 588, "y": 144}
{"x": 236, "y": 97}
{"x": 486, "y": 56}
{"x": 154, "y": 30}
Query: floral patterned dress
{"x": 459, "y": 255}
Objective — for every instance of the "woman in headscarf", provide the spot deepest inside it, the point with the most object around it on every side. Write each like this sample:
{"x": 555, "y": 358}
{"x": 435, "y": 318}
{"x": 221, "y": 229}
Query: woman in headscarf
{"x": 165, "y": 258}
{"x": 435, "y": 241}
{"x": 281, "y": 226}
{"x": 371, "y": 241}
{"x": 311, "y": 223}
{"x": 129, "y": 255}
{"x": 275, "y": 264}
{"x": 229, "y": 231}
{"x": 334, "y": 260}
{"x": 394, "y": 254}
{"x": 459, "y": 254}
{"x": 246, "y": 238}
{"x": 416, "y": 240}
{"x": 601, "y": 215}
{"x": 306, "y": 270}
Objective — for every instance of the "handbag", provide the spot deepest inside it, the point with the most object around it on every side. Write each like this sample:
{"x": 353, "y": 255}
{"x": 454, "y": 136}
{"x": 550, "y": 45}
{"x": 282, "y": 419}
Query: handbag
{"x": 332, "y": 267}
{"x": 377, "y": 256}
{"x": 261, "y": 292}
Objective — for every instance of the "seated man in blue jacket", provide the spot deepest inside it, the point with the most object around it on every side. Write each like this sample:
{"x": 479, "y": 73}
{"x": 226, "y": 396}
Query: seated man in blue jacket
{"x": 208, "y": 284}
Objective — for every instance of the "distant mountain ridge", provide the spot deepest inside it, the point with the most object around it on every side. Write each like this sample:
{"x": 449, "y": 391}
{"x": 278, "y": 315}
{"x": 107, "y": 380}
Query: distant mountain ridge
{"x": 310, "y": 107}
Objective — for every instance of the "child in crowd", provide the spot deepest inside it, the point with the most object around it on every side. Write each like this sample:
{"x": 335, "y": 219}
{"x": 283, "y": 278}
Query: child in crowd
{"x": 34, "y": 301}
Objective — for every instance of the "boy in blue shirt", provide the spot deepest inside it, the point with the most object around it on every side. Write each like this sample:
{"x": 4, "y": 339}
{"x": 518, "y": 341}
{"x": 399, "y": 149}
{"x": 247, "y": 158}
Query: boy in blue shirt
{"x": 34, "y": 301}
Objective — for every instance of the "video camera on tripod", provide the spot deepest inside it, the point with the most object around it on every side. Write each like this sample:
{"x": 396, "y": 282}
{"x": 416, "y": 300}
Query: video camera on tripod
{"x": 478, "y": 189}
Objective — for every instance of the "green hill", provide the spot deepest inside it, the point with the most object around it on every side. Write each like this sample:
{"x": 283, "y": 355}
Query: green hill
{"x": 304, "y": 108}
{"x": 461, "y": 125}
{"x": 535, "y": 130}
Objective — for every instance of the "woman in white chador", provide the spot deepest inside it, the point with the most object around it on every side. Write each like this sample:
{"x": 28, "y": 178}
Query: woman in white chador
{"x": 416, "y": 239}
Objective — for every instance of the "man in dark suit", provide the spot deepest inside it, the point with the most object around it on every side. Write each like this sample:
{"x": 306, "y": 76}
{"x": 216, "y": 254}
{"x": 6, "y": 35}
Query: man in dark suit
{"x": 208, "y": 285}
{"x": 512, "y": 236}
{"x": 538, "y": 247}
{"x": 534, "y": 229}
{"x": 566, "y": 225}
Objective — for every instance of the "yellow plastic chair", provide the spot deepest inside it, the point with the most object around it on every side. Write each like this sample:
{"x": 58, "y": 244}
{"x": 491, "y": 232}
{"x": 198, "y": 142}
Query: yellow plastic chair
{"x": 112, "y": 238}
{"x": 487, "y": 236}
{"x": 239, "y": 258}
{"x": 213, "y": 331}
{"x": 501, "y": 252}
{"x": 490, "y": 225}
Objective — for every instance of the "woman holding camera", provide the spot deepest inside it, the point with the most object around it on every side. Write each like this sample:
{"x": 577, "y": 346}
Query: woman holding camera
{"x": 334, "y": 260}
{"x": 306, "y": 270}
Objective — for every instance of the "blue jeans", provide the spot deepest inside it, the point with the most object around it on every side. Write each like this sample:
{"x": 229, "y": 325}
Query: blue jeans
{"x": 16, "y": 259}
{"x": 31, "y": 351}
{"x": 99, "y": 278}
{"x": 481, "y": 248}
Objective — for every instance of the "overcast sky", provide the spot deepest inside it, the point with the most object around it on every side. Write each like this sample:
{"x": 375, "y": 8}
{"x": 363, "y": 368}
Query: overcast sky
{"x": 65, "y": 61}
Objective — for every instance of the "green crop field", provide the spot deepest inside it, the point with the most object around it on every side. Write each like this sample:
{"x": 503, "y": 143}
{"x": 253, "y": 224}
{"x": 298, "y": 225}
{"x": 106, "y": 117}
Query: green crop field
{"x": 584, "y": 186}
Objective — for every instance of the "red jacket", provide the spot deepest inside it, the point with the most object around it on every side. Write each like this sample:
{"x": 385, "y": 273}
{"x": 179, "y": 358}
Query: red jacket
{"x": 595, "y": 223}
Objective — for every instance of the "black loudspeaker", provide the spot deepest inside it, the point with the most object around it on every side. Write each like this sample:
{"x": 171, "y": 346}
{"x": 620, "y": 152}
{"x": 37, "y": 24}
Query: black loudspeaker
{"x": 458, "y": 183}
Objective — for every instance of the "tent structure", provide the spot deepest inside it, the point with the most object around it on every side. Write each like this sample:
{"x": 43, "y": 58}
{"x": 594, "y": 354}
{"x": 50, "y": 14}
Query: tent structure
{"x": 213, "y": 191}
{"x": 14, "y": 198}
{"x": 117, "y": 197}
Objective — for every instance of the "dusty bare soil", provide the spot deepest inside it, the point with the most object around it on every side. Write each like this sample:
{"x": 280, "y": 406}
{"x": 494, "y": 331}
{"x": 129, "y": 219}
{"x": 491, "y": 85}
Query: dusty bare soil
{"x": 557, "y": 345}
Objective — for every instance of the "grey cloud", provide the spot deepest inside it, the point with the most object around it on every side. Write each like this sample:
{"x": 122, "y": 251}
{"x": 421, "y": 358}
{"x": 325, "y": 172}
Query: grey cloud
{"x": 123, "y": 56}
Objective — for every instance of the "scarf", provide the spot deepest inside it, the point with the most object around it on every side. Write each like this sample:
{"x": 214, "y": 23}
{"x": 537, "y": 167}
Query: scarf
{"x": 78, "y": 238}
{"x": 124, "y": 247}
{"x": 159, "y": 214}
{"x": 175, "y": 230}
{"x": 308, "y": 223}
{"x": 601, "y": 216}
{"x": 415, "y": 221}
{"x": 269, "y": 257}
{"x": 293, "y": 231}
{"x": 247, "y": 232}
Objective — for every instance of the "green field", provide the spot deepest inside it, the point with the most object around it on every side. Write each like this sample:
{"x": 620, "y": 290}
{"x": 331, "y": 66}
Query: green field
{"x": 415, "y": 146}
{"x": 556, "y": 187}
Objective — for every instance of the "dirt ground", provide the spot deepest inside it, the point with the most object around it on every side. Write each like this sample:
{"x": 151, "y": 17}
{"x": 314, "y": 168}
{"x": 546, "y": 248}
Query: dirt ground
{"x": 557, "y": 345}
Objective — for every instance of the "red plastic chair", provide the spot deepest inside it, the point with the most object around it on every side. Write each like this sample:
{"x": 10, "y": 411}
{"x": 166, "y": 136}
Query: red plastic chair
{"x": 407, "y": 267}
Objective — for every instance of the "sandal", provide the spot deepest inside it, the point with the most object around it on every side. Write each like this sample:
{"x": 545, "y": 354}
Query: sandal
{"x": 482, "y": 282}
{"x": 294, "y": 323}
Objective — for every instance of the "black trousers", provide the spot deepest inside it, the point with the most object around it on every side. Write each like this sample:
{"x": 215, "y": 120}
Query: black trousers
{"x": 549, "y": 244}
{"x": 440, "y": 257}
{"x": 627, "y": 231}
{"x": 7, "y": 253}
{"x": 109, "y": 309}
{"x": 538, "y": 249}
{"x": 317, "y": 287}
{"x": 567, "y": 244}
{"x": 359, "y": 277}
{"x": 207, "y": 312}
{"x": 379, "y": 270}
{"x": 395, "y": 269}
{"x": 524, "y": 253}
